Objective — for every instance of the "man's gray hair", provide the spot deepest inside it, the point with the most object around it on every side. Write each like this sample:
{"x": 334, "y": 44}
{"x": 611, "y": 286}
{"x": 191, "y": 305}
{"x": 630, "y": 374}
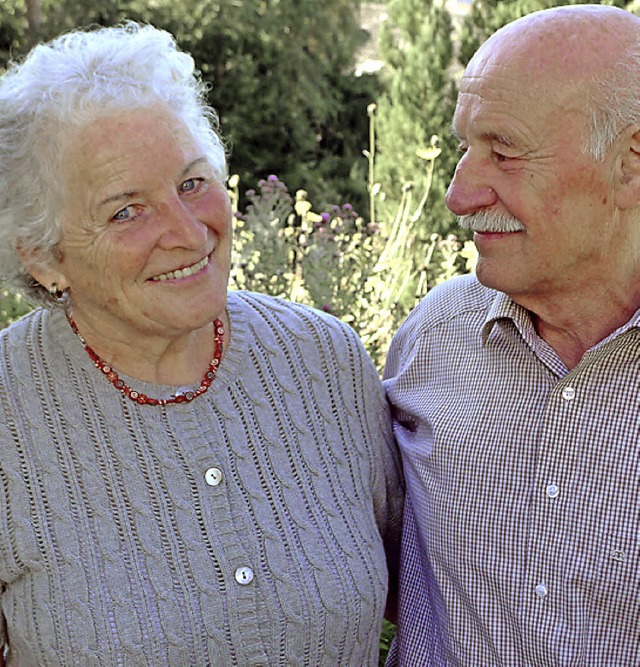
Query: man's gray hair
{"x": 614, "y": 103}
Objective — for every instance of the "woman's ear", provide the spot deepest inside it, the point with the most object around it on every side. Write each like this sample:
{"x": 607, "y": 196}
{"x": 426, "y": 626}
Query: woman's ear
{"x": 44, "y": 266}
{"x": 627, "y": 184}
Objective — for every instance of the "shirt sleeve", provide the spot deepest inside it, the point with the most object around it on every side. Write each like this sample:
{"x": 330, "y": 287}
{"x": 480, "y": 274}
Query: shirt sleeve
{"x": 389, "y": 509}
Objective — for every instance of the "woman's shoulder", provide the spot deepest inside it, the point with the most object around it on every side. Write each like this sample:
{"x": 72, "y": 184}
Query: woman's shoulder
{"x": 21, "y": 332}
{"x": 299, "y": 332}
{"x": 278, "y": 312}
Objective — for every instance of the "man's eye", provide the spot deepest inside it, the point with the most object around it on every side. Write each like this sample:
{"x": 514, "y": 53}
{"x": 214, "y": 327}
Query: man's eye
{"x": 511, "y": 157}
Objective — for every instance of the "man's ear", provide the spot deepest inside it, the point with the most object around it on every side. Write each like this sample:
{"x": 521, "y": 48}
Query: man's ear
{"x": 44, "y": 266}
{"x": 627, "y": 178}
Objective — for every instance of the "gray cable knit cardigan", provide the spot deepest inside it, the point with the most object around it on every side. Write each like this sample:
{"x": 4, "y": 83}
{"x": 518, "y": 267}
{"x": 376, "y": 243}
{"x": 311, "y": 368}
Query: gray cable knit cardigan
{"x": 241, "y": 529}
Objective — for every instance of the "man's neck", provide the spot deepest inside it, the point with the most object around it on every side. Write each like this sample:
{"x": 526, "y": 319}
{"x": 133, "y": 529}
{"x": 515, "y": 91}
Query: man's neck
{"x": 574, "y": 325}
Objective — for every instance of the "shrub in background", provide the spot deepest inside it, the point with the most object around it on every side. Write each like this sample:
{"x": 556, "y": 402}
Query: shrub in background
{"x": 367, "y": 274}
{"x": 12, "y": 307}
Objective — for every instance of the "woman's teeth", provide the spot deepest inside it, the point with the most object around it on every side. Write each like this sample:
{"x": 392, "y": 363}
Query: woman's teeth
{"x": 183, "y": 273}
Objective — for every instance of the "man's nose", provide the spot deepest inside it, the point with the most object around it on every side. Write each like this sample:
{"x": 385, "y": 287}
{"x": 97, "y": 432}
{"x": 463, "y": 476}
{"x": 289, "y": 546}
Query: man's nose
{"x": 469, "y": 190}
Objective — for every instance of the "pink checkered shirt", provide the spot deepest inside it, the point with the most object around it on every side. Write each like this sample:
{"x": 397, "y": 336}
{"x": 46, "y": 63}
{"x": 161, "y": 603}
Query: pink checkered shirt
{"x": 522, "y": 522}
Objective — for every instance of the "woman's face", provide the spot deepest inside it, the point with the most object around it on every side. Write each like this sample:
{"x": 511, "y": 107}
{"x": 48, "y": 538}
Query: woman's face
{"x": 146, "y": 229}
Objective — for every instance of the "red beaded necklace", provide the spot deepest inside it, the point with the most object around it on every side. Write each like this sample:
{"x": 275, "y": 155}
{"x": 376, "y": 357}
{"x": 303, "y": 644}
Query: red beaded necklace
{"x": 143, "y": 399}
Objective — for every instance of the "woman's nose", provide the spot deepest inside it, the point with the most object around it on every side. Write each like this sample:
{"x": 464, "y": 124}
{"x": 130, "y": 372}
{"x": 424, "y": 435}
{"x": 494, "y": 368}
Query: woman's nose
{"x": 182, "y": 227}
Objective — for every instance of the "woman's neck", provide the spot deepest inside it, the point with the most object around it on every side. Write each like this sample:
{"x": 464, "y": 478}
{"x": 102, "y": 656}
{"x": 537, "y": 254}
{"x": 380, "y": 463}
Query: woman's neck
{"x": 164, "y": 360}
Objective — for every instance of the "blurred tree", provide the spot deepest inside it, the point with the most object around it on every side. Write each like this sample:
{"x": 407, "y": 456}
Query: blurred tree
{"x": 13, "y": 29}
{"x": 280, "y": 71}
{"x": 282, "y": 79}
{"x": 417, "y": 48}
{"x": 34, "y": 19}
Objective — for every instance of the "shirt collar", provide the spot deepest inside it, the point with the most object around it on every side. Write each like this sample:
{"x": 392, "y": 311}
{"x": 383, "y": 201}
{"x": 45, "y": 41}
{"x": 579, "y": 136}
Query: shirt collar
{"x": 503, "y": 307}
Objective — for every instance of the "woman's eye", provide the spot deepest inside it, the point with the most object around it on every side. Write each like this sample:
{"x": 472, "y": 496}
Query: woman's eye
{"x": 191, "y": 184}
{"x": 125, "y": 214}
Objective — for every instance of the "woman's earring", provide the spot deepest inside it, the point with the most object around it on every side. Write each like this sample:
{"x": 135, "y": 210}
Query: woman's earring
{"x": 59, "y": 295}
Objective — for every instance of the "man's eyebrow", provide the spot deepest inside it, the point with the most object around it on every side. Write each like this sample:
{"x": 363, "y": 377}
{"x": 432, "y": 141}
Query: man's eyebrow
{"x": 498, "y": 137}
{"x": 503, "y": 139}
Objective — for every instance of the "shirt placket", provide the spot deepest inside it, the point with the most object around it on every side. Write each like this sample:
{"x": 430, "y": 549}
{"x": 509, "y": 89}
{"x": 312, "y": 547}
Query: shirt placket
{"x": 551, "y": 543}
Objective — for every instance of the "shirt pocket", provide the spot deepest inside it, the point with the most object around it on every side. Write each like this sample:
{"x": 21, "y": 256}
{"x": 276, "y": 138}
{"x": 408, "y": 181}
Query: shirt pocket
{"x": 617, "y": 588}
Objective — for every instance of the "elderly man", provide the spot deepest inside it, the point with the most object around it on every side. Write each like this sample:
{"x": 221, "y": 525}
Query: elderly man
{"x": 516, "y": 393}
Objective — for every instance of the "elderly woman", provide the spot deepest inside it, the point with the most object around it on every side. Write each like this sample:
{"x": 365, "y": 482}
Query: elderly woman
{"x": 188, "y": 476}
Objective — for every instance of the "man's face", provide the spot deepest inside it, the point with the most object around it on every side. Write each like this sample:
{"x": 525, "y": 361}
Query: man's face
{"x": 522, "y": 142}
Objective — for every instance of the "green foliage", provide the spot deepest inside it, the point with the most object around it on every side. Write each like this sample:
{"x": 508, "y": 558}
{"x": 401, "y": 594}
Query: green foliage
{"x": 280, "y": 75}
{"x": 388, "y": 633}
{"x": 336, "y": 261}
{"x": 12, "y": 307}
{"x": 13, "y": 24}
{"x": 280, "y": 79}
{"x": 417, "y": 47}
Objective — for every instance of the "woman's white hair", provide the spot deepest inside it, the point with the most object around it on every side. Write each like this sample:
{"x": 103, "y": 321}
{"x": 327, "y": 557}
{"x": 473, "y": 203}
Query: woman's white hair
{"x": 67, "y": 83}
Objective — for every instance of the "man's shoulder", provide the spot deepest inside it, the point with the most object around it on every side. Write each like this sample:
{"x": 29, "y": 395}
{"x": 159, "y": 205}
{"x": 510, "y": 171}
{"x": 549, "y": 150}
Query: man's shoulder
{"x": 455, "y": 299}
{"x": 447, "y": 321}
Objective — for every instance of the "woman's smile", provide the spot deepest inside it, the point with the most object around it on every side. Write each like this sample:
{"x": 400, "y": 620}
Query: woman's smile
{"x": 183, "y": 272}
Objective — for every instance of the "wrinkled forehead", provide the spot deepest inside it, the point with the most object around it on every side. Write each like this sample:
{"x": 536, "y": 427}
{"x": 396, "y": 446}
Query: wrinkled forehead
{"x": 527, "y": 79}
{"x": 527, "y": 63}
{"x": 496, "y": 95}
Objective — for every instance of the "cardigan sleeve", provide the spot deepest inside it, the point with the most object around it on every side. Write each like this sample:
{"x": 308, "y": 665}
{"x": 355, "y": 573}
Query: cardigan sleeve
{"x": 3, "y": 630}
{"x": 387, "y": 479}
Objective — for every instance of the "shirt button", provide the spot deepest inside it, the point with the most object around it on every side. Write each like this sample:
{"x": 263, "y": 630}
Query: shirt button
{"x": 244, "y": 575}
{"x": 553, "y": 491}
{"x": 213, "y": 476}
{"x": 618, "y": 555}
{"x": 568, "y": 393}
{"x": 541, "y": 590}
